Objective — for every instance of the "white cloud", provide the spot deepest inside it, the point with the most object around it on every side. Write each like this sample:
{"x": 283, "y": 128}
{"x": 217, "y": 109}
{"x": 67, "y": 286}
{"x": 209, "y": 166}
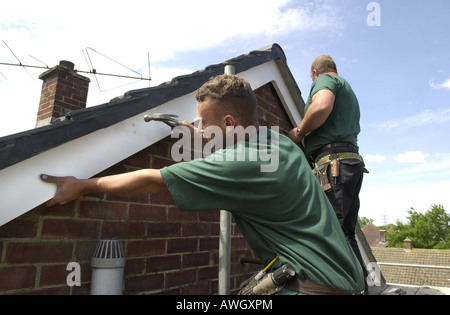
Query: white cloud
{"x": 393, "y": 200}
{"x": 411, "y": 157}
{"x": 162, "y": 27}
{"x": 437, "y": 86}
{"x": 427, "y": 117}
{"x": 392, "y": 192}
{"x": 376, "y": 158}
{"x": 126, "y": 32}
{"x": 414, "y": 167}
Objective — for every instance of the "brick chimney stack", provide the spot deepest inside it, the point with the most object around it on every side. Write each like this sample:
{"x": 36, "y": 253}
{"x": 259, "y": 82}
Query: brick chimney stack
{"x": 63, "y": 90}
{"x": 408, "y": 245}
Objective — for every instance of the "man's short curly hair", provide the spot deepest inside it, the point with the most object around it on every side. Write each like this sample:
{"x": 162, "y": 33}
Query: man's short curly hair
{"x": 231, "y": 95}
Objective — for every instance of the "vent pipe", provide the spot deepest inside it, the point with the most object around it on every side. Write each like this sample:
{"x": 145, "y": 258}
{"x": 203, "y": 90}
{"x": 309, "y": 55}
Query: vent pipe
{"x": 225, "y": 237}
{"x": 107, "y": 264}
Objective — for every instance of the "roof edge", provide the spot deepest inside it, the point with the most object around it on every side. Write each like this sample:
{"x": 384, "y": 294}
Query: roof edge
{"x": 18, "y": 147}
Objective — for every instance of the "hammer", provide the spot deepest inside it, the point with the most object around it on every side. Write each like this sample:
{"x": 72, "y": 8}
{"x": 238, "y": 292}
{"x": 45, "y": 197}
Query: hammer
{"x": 168, "y": 119}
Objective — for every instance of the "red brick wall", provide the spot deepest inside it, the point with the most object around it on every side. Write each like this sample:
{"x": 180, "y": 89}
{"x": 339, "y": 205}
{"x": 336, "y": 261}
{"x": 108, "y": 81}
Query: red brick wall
{"x": 168, "y": 251}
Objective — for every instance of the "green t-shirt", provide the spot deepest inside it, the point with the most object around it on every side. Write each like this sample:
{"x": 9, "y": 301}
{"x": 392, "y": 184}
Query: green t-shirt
{"x": 281, "y": 213}
{"x": 342, "y": 125}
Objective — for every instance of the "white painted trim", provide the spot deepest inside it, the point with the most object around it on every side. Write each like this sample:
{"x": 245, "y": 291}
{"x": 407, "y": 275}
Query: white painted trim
{"x": 269, "y": 72}
{"x": 413, "y": 265}
{"x": 22, "y": 190}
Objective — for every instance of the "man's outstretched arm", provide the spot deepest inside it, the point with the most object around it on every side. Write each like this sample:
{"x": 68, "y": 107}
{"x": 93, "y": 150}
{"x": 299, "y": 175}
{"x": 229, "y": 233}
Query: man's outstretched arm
{"x": 133, "y": 183}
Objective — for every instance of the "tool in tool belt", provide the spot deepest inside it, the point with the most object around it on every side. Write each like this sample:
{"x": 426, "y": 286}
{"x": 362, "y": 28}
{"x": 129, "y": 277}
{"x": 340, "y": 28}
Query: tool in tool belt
{"x": 262, "y": 273}
{"x": 268, "y": 284}
{"x": 339, "y": 156}
{"x": 334, "y": 160}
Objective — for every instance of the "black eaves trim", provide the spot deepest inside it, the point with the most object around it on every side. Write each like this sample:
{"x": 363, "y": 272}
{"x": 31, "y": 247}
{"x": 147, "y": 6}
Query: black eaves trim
{"x": 21, "y": 146}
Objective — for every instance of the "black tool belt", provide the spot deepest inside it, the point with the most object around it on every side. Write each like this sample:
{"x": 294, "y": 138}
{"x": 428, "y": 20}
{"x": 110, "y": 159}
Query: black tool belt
{"x": 332, "y": 155}
{"x": 339, "y": 156}
{"x": 312, "y": 288}
{"x": 335, "y": 148}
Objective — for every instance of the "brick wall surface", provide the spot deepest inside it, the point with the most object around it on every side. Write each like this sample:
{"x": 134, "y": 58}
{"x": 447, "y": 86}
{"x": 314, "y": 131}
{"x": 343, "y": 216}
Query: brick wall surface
{"x": 167, "y": 251}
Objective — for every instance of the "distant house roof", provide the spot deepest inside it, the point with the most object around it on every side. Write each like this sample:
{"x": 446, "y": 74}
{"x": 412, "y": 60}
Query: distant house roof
{"x": 375, "y": 237}
{"x": 416, "y": 267}
{"x": 90, "y": 140}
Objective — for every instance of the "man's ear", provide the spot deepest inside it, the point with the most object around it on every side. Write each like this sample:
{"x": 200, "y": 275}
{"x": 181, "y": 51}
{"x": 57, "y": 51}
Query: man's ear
{"x": 230, "y": 121}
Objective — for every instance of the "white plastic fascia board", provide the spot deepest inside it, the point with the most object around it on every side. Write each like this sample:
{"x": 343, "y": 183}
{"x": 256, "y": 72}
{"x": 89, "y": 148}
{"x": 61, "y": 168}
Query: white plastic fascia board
{"x": 22, "y": 189}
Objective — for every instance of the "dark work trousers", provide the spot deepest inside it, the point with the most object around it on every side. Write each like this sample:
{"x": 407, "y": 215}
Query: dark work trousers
{"x": 344, "y": 195}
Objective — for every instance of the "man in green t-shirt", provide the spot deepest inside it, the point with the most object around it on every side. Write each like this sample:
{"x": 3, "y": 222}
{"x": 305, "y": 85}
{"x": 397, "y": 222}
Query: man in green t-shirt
{"x": 330, "y": 129}
{"x": 279, "y": 206}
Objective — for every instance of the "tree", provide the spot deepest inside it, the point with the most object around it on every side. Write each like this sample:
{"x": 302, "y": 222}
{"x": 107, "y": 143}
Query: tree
{"x": 430, "y": 230}
{"x": 364, "y": 221}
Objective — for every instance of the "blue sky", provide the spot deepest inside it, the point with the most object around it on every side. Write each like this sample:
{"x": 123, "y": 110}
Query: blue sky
{"x": 400, "y": 69}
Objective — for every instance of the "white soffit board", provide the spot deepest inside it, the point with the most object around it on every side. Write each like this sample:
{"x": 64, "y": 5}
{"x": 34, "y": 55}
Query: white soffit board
{"x": 269, "y": 72}
{"x": 20, "y": 184}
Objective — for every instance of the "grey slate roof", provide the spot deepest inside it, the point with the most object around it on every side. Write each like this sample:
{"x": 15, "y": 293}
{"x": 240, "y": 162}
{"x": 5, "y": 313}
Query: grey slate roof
{"x": 21, "y": 146}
